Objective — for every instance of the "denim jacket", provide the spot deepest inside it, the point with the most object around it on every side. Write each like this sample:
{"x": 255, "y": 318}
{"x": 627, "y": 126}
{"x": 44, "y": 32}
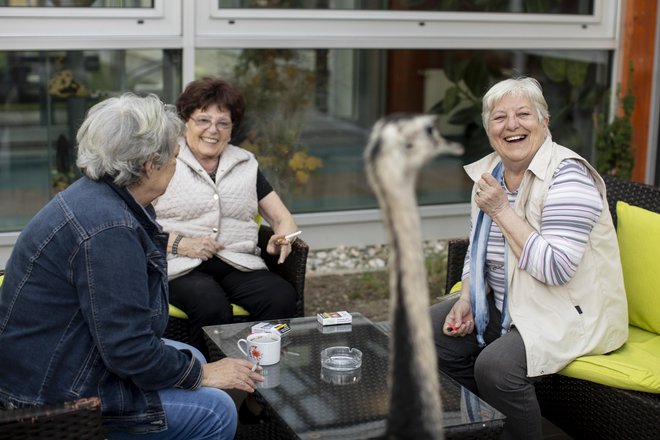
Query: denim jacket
{"x": 83, "y": 307}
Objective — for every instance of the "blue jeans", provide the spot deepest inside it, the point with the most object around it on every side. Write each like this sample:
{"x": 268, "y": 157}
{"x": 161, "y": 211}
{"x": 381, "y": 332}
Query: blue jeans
{"x": 206, "y": 413}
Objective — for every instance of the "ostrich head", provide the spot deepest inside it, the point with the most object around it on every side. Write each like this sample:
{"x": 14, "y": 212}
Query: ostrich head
{"x": 401, "y": 144}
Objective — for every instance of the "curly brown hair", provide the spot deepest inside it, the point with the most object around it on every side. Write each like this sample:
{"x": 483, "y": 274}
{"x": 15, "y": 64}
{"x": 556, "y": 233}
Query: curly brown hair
{"x": 203, "y": 93}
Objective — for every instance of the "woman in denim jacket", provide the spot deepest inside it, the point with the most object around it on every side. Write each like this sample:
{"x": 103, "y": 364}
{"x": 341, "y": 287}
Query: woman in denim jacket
{"x": 85, "y": 299}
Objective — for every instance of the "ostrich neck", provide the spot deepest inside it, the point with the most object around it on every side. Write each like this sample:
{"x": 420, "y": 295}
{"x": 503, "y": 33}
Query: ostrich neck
{"x": 404, "y": 229}
{"x": 414, "y": 366}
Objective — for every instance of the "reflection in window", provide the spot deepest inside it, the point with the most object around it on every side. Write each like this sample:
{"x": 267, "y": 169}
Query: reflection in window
{"x": 310, "y": 110}
{"x": 580, "y": 7}
{"x": 44, "y": 97}
{"x": 78, "y": 3}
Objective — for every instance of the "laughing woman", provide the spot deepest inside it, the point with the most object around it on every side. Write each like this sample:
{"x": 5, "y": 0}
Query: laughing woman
{"x": 209, "y": 210}
{"x": 542, "y": 281}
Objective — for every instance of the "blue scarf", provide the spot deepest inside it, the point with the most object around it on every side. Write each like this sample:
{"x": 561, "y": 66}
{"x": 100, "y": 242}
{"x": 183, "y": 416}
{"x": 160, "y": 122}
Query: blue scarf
{"x": 479, "y": 246}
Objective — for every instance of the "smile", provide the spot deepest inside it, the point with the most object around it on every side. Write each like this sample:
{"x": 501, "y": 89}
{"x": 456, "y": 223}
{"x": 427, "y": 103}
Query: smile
{"x": 209, "y": 140}
{"x": 515, "y": 138}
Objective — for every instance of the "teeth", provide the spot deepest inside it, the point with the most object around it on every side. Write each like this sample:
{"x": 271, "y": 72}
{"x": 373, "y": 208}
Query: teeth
{"x": 209, "y": 140}
{"x": 514, "y": 138}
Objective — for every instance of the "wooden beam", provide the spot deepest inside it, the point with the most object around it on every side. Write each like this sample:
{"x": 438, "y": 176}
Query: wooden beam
{"x": 638, "y": 46}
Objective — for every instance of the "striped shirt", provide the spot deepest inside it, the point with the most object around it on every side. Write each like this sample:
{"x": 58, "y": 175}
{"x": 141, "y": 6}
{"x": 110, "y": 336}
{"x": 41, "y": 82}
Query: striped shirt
{"x": 573, "y": 206}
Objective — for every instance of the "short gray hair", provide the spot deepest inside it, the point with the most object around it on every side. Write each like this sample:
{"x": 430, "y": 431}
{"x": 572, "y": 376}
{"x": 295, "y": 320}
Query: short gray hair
{"x": 120, "y": 134}
{"x": 519, "y": 87}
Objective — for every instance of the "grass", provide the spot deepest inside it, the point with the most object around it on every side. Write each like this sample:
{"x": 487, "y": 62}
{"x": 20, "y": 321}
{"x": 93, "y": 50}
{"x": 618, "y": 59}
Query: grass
{"x": 376, "y": 283}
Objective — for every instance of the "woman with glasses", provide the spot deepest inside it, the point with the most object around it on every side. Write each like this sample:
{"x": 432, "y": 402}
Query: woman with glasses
{"x": 210, "y": 210}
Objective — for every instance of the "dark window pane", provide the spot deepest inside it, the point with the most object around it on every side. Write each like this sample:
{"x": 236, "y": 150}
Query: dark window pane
{"x": 44, "y": 98}
{"x": 579, "y": 7}
{"x": 148, "y": 4}
{"x": 310, "y": 110}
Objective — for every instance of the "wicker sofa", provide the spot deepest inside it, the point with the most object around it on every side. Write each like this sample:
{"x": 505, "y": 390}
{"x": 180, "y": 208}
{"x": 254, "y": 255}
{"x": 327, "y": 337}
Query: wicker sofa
{"x": 584, "y": 409}
{"x": 80, "y": 420}
{"x": 293, "y": 270}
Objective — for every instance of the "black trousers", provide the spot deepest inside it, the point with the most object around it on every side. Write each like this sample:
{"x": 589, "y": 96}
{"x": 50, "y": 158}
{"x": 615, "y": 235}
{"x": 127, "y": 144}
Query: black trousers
{"x": 497, "y": 373}
{"x": 206, "y": 295}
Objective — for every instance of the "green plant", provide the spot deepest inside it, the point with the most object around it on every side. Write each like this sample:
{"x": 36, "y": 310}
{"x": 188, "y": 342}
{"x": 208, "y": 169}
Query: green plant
{"x": 277, "y": 88}
{"x": 570, "y": 86}
{"x": 614, "y": 149}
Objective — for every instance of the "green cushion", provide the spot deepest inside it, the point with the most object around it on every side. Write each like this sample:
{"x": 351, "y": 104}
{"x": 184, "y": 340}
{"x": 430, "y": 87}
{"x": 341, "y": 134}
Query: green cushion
{"x": 178, "y": 313}
{"x": 638, "y": 231}
{"x": 635, "y": 366}
{"x": 236, "y": 309}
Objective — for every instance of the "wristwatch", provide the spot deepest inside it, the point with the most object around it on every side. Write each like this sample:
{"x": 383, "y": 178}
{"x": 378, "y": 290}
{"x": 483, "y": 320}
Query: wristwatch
{"x": 175, "y": 245}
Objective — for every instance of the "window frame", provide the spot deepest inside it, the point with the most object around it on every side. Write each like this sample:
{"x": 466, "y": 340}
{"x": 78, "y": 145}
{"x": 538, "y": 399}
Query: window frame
{"x": 300, "y": 28}
{"x": 85, "y": 28}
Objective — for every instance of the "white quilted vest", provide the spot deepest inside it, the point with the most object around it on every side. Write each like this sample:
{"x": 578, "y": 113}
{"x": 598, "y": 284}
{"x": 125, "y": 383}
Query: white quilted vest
{"x": 195, "y": 206}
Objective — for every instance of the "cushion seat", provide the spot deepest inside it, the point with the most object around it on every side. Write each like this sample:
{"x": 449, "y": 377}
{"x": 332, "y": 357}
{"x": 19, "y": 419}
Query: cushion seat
{"x": 634, "y": 366}
{"x": 237, "y": 311}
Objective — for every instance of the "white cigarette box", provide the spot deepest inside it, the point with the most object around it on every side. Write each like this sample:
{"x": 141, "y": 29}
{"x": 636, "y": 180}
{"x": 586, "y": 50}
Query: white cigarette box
{"x": 267, "y": 327}
{"x": 334, "y": 318}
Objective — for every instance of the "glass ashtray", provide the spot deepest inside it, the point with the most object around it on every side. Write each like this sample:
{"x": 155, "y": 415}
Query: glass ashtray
{"x": 341, "y": 377}
{"x": 341, "y": 358}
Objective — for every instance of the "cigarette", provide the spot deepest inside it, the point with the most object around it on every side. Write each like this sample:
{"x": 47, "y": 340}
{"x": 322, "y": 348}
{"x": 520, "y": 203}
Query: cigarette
{"x": 254, "y": 367}
{"x": 452, "y": 327}
{"x": 293, "y": 235}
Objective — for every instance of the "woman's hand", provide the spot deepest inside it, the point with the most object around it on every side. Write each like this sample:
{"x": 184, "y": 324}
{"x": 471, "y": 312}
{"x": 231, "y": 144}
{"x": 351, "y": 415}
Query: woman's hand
{"x": 201, "y": 247}
{"x": 459, "y": 321}
{"x": 280, "y": 219}
{"x": 230, "y": 373}
{"x": 277, "y": 244}
{"x": 490, "y": 196}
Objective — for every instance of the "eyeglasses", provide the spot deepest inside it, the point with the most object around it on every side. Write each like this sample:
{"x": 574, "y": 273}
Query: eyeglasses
{"x": 206, "y": 123}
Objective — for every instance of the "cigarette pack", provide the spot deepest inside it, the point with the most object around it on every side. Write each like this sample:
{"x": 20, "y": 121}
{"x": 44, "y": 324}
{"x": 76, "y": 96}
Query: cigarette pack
{"x": 334, "y": 318}
{"x": 268, "y": 327}
{"x": 340, "y": 328}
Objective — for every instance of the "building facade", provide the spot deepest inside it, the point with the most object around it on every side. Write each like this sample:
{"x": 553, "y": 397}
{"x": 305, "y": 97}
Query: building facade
{"x": 317, "y": 75}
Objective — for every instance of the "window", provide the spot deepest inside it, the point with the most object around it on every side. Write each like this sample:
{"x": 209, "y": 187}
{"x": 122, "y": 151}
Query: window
{"x": 338, "y": 64}
{"x": 584, "y": 7}
{"x": 78, "y": 3}
{"x": 45, "y": 96}
{"x": 310, "y": 110}
{"x": 85, "y": 24}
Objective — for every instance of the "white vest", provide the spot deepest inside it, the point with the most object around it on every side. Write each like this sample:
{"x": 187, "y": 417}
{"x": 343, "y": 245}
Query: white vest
{"x": 587, "y": 315}
{"x": 225, "y": 210}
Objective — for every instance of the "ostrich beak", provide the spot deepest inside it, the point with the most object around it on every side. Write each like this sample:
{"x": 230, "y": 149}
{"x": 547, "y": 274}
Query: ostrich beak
{"x": 445, "y": 147}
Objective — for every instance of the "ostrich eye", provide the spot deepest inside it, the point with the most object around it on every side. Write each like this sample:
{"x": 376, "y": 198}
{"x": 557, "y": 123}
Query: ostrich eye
{"x": 429, "y": 130}
{"x": 409, "y": 146}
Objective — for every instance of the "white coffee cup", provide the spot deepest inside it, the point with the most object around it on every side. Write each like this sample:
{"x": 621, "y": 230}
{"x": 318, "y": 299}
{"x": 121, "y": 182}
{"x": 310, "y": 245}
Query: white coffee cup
{"x": 261, "y": 348}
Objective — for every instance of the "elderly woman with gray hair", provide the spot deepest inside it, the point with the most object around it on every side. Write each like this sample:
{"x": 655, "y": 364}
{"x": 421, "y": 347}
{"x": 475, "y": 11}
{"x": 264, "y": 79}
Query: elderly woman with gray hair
{"x": 542, "y": 279}
{"x": 84, "y": 303}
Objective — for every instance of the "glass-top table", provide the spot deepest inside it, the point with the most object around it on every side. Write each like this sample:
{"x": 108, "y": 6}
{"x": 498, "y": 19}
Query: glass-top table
{"x": 311, "y": 402}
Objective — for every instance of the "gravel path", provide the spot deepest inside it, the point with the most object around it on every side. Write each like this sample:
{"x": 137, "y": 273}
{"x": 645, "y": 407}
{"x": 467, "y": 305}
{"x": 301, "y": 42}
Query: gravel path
{"x": 357, "y": 259}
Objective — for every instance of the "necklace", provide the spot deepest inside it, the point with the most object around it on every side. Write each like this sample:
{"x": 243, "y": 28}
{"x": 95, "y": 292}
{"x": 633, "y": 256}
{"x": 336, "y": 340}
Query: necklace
{"x": 214, "y": 172}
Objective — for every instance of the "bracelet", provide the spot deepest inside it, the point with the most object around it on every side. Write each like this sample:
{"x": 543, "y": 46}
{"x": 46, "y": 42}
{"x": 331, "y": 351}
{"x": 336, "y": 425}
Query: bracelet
{"x": 175, "y": 245}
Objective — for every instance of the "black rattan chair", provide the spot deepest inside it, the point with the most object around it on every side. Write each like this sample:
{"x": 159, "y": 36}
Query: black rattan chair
{"x": 293, "y": 270}
{"x": 583, "y": 409}
{"x": 80, "y": 419}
